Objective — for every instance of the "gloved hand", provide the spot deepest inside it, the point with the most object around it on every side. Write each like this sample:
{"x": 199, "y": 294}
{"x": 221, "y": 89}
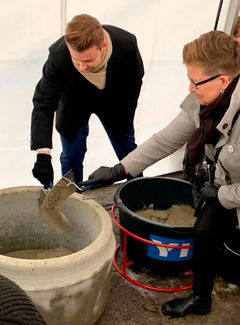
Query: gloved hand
{"x": 104, "y": 176}
{"x": 43, "y": 170}
{"x": 208, "y": 193}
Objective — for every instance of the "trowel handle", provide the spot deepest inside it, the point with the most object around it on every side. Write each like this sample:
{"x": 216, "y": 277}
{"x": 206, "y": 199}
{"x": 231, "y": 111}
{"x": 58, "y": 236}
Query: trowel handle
{"x": 209, "y": 176}
{"x": 86, "y": 187}
{"x": 89, "y": 187}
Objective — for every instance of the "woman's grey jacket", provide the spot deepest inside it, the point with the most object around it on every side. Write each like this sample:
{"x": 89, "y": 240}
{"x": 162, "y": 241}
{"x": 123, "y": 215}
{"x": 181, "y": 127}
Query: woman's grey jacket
{"x": 179, "y": 131}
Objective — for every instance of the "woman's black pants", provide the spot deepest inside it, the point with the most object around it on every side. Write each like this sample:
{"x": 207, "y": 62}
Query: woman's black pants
{"x": 212, "y": 227}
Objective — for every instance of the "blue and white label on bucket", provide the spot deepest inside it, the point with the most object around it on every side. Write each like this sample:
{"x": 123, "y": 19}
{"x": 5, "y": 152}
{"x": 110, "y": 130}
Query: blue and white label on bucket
{"x": 168, "y": 253}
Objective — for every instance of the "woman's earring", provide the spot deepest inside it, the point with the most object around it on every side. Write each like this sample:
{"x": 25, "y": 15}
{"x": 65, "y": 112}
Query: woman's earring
{"x": 222, "y": 91}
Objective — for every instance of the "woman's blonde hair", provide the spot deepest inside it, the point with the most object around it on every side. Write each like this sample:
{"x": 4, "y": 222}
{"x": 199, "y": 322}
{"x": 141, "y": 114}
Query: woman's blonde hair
{"x": 215, "y": 52}
{"x": 83, "y": 32}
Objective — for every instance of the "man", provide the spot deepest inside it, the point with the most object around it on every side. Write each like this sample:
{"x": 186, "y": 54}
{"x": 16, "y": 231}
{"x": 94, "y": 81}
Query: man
{"x": 93, "y": 68}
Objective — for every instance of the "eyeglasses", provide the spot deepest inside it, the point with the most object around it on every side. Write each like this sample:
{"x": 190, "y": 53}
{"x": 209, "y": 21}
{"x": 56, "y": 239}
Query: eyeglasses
{"x": 196, "y": 84}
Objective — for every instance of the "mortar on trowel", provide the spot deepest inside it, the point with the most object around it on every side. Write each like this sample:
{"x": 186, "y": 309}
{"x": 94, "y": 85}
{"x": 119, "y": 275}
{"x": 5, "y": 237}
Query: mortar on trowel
{"x": 50, "y": 198}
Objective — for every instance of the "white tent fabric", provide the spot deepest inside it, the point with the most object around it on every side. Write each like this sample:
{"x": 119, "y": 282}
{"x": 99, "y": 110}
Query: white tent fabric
{"x": 29, "y": 27}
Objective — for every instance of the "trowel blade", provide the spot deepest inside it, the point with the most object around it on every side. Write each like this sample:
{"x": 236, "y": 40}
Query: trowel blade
{"x": 52, "y": 216}
{"x": 49, "y": 199}
{"x": 60, "y": 192}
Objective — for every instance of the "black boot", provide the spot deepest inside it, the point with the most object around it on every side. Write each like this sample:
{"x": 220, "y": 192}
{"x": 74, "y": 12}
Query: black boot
{"x": 191, "y": 305}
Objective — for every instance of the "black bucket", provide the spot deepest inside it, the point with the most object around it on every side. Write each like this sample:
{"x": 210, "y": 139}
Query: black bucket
{"x": 229, "y": 260}
{"x": 162, "y": 193}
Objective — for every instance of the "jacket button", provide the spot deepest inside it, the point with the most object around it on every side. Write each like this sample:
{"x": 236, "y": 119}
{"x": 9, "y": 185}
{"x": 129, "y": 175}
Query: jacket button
{"x": 225, "y": 126}
{"x": 230, "y": 149}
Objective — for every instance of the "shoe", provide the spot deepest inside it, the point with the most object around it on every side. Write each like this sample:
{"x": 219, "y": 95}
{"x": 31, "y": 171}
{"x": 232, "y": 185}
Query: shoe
{"x": 191, "y": 305}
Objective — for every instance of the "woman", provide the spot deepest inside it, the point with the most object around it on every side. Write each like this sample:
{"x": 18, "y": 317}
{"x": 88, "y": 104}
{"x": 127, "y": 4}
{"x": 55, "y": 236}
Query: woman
{"x": 210, "y": 126}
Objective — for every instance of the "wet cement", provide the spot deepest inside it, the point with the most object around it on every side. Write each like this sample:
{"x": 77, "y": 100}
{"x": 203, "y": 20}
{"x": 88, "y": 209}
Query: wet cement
{"x": 34, "y": 254}
{"x": 180, "y": 215}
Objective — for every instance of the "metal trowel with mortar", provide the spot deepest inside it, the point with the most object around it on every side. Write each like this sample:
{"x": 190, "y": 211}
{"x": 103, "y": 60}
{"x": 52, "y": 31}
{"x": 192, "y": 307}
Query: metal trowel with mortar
{"x": 50, "y": 198}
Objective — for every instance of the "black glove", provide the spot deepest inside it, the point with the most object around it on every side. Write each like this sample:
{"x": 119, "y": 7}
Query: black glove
{"x": 208, "y": 193}
{"x": 104, "y": 176}
{"x": 43, "y": 170}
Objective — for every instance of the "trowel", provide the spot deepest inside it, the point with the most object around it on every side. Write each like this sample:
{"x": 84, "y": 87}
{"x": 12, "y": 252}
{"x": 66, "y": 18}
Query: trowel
{"x": 50, "y": 198}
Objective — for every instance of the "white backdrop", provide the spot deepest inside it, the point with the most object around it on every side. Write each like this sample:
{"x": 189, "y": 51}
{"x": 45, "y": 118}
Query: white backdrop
{"x": 28, "y": 27}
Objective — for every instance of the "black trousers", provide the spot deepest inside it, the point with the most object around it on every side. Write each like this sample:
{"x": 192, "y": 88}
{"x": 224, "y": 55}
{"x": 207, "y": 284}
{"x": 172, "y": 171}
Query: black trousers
{"x": 212, "y": 227}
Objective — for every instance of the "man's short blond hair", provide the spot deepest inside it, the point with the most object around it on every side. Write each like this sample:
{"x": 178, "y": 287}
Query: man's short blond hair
{"x": 83, "y": 32}
{"x": 215, "y": 52}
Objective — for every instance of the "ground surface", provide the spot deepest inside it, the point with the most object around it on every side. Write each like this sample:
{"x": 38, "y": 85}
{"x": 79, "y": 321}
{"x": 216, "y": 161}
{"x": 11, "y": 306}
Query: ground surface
{"x": 132, "y": 305}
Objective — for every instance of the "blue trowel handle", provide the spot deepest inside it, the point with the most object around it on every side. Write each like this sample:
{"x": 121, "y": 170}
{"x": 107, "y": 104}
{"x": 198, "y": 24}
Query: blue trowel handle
{"x": 87, "y": 187}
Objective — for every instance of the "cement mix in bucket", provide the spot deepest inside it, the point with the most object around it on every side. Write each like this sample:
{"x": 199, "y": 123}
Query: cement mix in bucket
{"x": 177, "y": 215}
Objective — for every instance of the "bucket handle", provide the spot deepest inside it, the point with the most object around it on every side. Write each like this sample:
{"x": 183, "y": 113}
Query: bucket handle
{"x": 230, "y": 250}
